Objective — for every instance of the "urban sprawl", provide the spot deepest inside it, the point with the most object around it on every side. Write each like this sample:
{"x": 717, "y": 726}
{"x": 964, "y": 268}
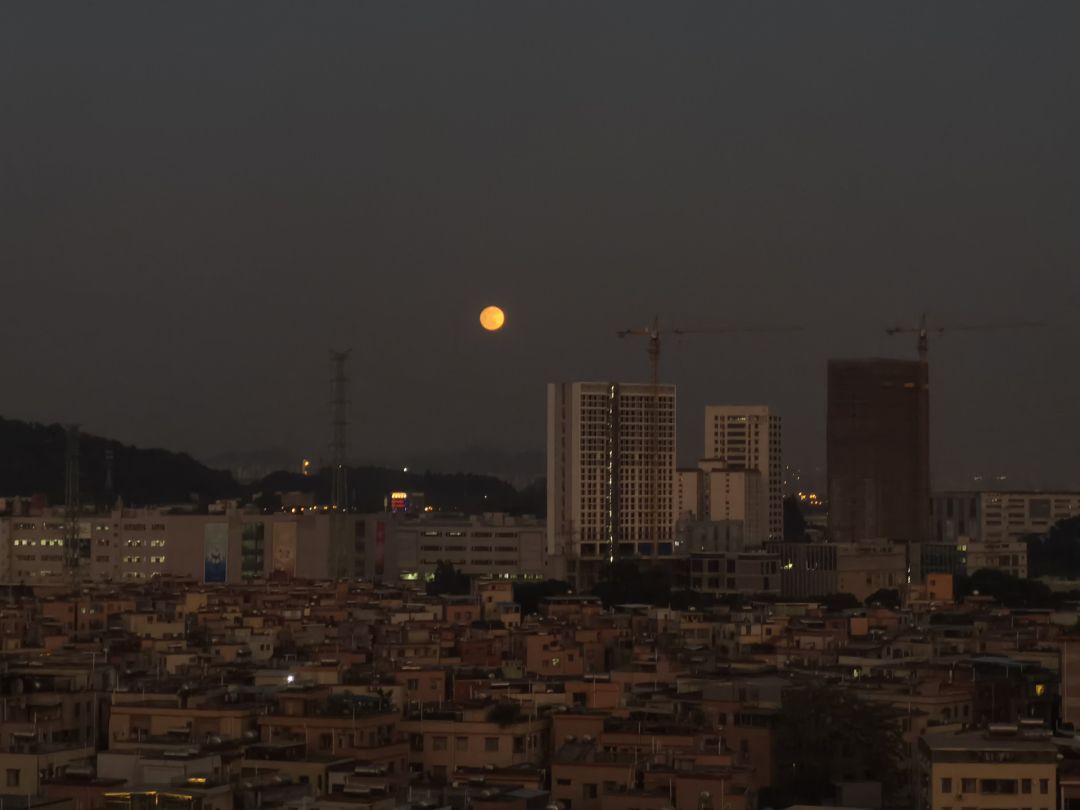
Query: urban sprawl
{"x": 662, "y": 639}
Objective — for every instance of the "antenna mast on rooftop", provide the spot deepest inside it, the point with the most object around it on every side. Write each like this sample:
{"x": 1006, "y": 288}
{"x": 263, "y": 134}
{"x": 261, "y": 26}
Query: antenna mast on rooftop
{"x": 339, "y": 424}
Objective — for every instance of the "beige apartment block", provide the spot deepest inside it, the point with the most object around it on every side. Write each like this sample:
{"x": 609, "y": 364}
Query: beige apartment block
{"x": 999, "y": 769}
{"x": 750, "y": 437}
{"x": 442, "y": 741}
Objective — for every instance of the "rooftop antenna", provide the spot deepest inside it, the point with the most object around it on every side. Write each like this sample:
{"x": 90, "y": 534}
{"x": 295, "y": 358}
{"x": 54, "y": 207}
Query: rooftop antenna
{"x": 339, "y": 423}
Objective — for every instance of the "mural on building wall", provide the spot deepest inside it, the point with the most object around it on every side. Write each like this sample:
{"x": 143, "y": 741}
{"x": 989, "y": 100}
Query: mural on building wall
{"x": 285, "y": 548}
{"x": 216, "y": 548}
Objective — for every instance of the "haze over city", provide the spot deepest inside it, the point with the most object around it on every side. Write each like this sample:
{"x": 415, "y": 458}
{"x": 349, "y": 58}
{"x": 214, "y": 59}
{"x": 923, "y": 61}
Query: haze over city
{"x": 196, "y": 205}
{"x": 539, "y": 405}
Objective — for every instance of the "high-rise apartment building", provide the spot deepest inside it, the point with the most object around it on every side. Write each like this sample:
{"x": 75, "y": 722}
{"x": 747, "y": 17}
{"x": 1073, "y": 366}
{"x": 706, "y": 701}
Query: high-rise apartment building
{"x": 879, "y": 478}
{"x": 611, "y": 474}
{"x": 750, "y": 437}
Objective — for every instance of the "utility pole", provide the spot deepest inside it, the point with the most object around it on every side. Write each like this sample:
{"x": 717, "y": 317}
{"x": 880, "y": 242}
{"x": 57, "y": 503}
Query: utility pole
{"x": 339, "y": 423}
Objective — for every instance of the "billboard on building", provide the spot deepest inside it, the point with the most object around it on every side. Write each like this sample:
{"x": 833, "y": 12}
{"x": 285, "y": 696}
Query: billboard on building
{"x": 285, "y": 548}
{"x": 380, "y": 547}
{"x": 216, "y": 551}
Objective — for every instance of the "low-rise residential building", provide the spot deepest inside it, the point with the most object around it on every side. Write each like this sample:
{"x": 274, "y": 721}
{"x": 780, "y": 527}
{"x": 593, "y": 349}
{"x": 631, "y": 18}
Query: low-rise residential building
{"x": 999, "y": 768}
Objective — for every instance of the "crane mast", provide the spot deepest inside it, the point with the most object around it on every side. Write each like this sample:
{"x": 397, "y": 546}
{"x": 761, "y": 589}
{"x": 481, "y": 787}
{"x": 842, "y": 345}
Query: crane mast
{"x": 922, "y": 347}
{"x": 653, "y": 482}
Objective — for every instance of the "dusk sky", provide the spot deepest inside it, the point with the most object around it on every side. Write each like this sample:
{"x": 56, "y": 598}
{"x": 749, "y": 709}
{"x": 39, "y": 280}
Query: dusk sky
{"x": 198, "y": 200}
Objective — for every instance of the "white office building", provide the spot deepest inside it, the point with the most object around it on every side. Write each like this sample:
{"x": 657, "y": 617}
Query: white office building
{"x": 611, "y": 482}
{"x": 750, "y": 437}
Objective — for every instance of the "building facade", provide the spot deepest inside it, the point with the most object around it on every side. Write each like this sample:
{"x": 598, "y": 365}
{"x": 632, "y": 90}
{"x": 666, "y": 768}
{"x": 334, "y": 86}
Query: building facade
{"x": 966, "y": 556}
{"x": 611, "y": 481}
{"x": 810, "y": 570}
{"x": 999, "y": 516}
{"x": 233, "y": 545}
{"x": 725, "y": 494}
{"x": 490, "y": 545}
{"x": 878, "y": 469}
{"x": 1003, "y": 768}
{"x": 750, "y": 437}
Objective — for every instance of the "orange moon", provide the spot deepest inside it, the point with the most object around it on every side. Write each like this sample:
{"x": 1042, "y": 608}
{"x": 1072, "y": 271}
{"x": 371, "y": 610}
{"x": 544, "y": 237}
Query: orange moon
{"x": 492, "y": 319}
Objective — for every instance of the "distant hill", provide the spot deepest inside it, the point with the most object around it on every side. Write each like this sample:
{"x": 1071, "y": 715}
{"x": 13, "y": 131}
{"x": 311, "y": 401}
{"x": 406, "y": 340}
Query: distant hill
{"x": 32, "y": 461}
{"x": 251, "y": 465}
{"x": 521, "y": 469}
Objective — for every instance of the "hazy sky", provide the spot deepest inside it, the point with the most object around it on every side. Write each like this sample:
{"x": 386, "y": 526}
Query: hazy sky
{"x": 198, "y": 200}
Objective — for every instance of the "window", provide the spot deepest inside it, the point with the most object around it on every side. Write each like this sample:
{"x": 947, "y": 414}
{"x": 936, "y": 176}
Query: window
{"x": 946, "y": 785}
{"x": 491, "y": 744}
{"x": 1025, "y": 786}
{"x": 413, "y": 684}
{"x": 968, "y": 786}
{"x": 326, "y": 741}
{"x": 588, "y": 791}
{"x": 461, "y": 744}
{"x": 1044, "y": 786}
{"x": 12, "y": 777}
{"x": 562, "y": 782}
{"x": 1004, "y": 786}
{"x": 438, "y": 744}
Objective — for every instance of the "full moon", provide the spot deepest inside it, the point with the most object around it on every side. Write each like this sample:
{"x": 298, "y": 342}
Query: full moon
{"x": 492, "y": 318}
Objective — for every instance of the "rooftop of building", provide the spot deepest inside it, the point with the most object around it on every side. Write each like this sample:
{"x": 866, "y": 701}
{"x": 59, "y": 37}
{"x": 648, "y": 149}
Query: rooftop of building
{"x": 1005, "y": 737}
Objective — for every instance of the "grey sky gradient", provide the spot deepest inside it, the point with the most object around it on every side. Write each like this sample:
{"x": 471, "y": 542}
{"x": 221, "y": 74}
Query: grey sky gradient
{"x": 197, "y": 200}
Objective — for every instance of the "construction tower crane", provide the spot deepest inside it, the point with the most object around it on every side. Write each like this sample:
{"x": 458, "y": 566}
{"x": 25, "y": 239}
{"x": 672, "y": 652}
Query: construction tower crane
{"x": 652, "y": 482}
{"x": 654, "y": 334}
{"x": 922, "y": 345}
